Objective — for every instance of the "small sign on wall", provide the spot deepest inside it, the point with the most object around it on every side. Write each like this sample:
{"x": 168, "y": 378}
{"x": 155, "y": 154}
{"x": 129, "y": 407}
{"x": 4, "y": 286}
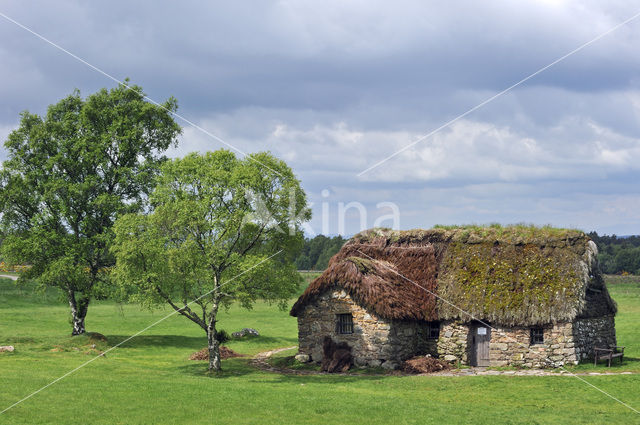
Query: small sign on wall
{"x": 482, "y": 331}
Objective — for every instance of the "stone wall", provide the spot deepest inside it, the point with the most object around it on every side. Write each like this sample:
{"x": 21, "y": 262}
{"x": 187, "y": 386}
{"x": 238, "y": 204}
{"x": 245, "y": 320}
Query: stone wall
{"x": 374, "y": 341}
{"x": 453, "y": 344}
{"x": 594, "y": 332}
{"x": 512, "y": 347}
{"x": 563, "y": 343}
{"x": 379, "y": 342}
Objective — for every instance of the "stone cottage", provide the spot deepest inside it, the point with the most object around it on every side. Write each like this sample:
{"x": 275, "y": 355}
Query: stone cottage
{"x": 482, "y": 296}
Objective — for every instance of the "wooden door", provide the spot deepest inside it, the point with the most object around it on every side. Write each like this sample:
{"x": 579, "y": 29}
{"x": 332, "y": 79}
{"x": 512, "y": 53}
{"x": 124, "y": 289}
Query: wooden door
{"x": 481, "y": 337}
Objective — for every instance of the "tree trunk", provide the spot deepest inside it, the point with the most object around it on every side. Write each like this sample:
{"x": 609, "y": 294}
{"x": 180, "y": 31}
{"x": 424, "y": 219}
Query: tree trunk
{"x": 214, "y": 349}
{"x": 212, "y": 338}
{"x": 79, "y": 310}
{"x": 78, "y": 325}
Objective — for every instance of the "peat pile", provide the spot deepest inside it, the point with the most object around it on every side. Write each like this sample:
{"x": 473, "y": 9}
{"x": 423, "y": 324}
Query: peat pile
{"x": 425, "y": 365}
{"x": 225, "y": 353}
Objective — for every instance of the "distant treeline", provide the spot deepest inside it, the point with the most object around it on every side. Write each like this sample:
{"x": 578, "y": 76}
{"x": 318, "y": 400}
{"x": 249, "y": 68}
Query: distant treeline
{"x": 317, "y": 251}
{"x": 618, "y": 254}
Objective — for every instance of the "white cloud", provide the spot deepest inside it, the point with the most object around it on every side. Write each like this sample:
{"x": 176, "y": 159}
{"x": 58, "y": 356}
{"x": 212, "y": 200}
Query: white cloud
{"x": 473, "y": 172}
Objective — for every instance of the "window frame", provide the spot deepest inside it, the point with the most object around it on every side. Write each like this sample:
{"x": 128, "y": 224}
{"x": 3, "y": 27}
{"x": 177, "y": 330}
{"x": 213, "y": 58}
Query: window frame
{"x": 536, "y": 335}
{"x": 344, "y": 323}
{"x": 433, "y": 331}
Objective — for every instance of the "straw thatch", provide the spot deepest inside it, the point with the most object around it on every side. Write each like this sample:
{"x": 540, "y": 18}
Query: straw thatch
{"x": 512, "y": 276}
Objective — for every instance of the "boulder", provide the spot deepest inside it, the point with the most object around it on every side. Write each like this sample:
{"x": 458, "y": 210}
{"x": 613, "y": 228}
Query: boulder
{"x": 303, "y": 358}
{"x": 389, "y": 365}
{"x": 360, "y": 361}
{"x": 244, "y": 332}
{"x": 450, "y": 358}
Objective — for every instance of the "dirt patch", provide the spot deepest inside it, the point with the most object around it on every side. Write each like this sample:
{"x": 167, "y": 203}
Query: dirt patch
{"x": 225, "y": 353}
{"x": 260, "y": 361}
{"x": 425, "y": 365}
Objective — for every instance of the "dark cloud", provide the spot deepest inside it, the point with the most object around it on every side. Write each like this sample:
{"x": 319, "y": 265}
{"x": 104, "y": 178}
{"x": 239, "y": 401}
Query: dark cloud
{"x": 335, "y": 87}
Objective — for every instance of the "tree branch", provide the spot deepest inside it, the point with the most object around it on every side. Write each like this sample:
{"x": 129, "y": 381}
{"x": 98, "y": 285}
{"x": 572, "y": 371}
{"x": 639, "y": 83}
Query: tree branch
{"x": 185, "y": 311}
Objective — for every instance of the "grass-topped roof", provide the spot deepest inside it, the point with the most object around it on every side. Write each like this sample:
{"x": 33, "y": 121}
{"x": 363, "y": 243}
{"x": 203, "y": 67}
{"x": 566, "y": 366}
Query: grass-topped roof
{"x": 512, "y": 275}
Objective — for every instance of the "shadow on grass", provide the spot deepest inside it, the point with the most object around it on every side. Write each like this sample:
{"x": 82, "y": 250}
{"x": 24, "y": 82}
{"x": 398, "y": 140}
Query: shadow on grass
{"x": 240, "y": 367}
{"x": 143, "y": 341}
{"x": 263, "y": 341}
{"x": 316, "y": 379}
{"x": 230, "y": 368}
{"x": 191, "y": 342}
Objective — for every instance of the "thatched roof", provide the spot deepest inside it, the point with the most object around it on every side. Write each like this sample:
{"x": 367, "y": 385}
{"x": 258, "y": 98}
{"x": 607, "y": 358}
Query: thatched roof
{"x": 517, "y": 275}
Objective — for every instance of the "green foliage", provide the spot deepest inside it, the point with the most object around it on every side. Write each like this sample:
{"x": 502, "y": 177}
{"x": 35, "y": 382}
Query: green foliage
{"x": 67, "y": 178}
{"x": 222, "y": 336}
{"x": 317, "y": 252}
{"x": 222, "y": 230}
{"x": 618, "y": 255}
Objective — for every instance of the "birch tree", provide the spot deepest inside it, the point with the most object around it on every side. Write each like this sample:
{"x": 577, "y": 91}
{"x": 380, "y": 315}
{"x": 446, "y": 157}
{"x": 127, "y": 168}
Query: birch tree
{"x": 222, "y": 230}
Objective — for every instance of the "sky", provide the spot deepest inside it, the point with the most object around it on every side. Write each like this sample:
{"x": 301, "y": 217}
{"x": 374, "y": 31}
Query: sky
{"x": 335, "y": 87}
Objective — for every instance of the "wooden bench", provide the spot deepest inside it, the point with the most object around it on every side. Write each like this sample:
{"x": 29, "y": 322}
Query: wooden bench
{"x": 607, "y": 353}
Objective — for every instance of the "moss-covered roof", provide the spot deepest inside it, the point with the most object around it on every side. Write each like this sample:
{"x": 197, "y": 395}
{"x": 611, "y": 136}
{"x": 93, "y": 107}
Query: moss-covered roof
{"x": 516, "y": 234}
{"x": 513, "y": 275}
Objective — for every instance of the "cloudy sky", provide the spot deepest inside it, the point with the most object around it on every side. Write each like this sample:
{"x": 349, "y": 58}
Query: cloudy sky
{"x": 334, "y": 87}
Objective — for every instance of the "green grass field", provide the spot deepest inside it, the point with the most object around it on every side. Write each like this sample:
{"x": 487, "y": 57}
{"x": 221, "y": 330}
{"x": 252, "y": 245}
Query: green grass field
{"x": 149, "y": 380}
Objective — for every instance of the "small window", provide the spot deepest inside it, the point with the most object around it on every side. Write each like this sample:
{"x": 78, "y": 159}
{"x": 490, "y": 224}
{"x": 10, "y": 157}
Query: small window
{"x": 537, "y": 336}
{"x": 345, "y": 324}
{"x": 434, "y": 330}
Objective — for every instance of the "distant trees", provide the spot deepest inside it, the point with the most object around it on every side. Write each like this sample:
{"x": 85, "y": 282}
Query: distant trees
{"x": 618, "y": 255}
{"x": 67, "y": 178}
{"x": 317, "y": 252}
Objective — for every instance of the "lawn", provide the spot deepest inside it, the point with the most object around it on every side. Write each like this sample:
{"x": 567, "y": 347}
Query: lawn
{"x": 149, "y": 380}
